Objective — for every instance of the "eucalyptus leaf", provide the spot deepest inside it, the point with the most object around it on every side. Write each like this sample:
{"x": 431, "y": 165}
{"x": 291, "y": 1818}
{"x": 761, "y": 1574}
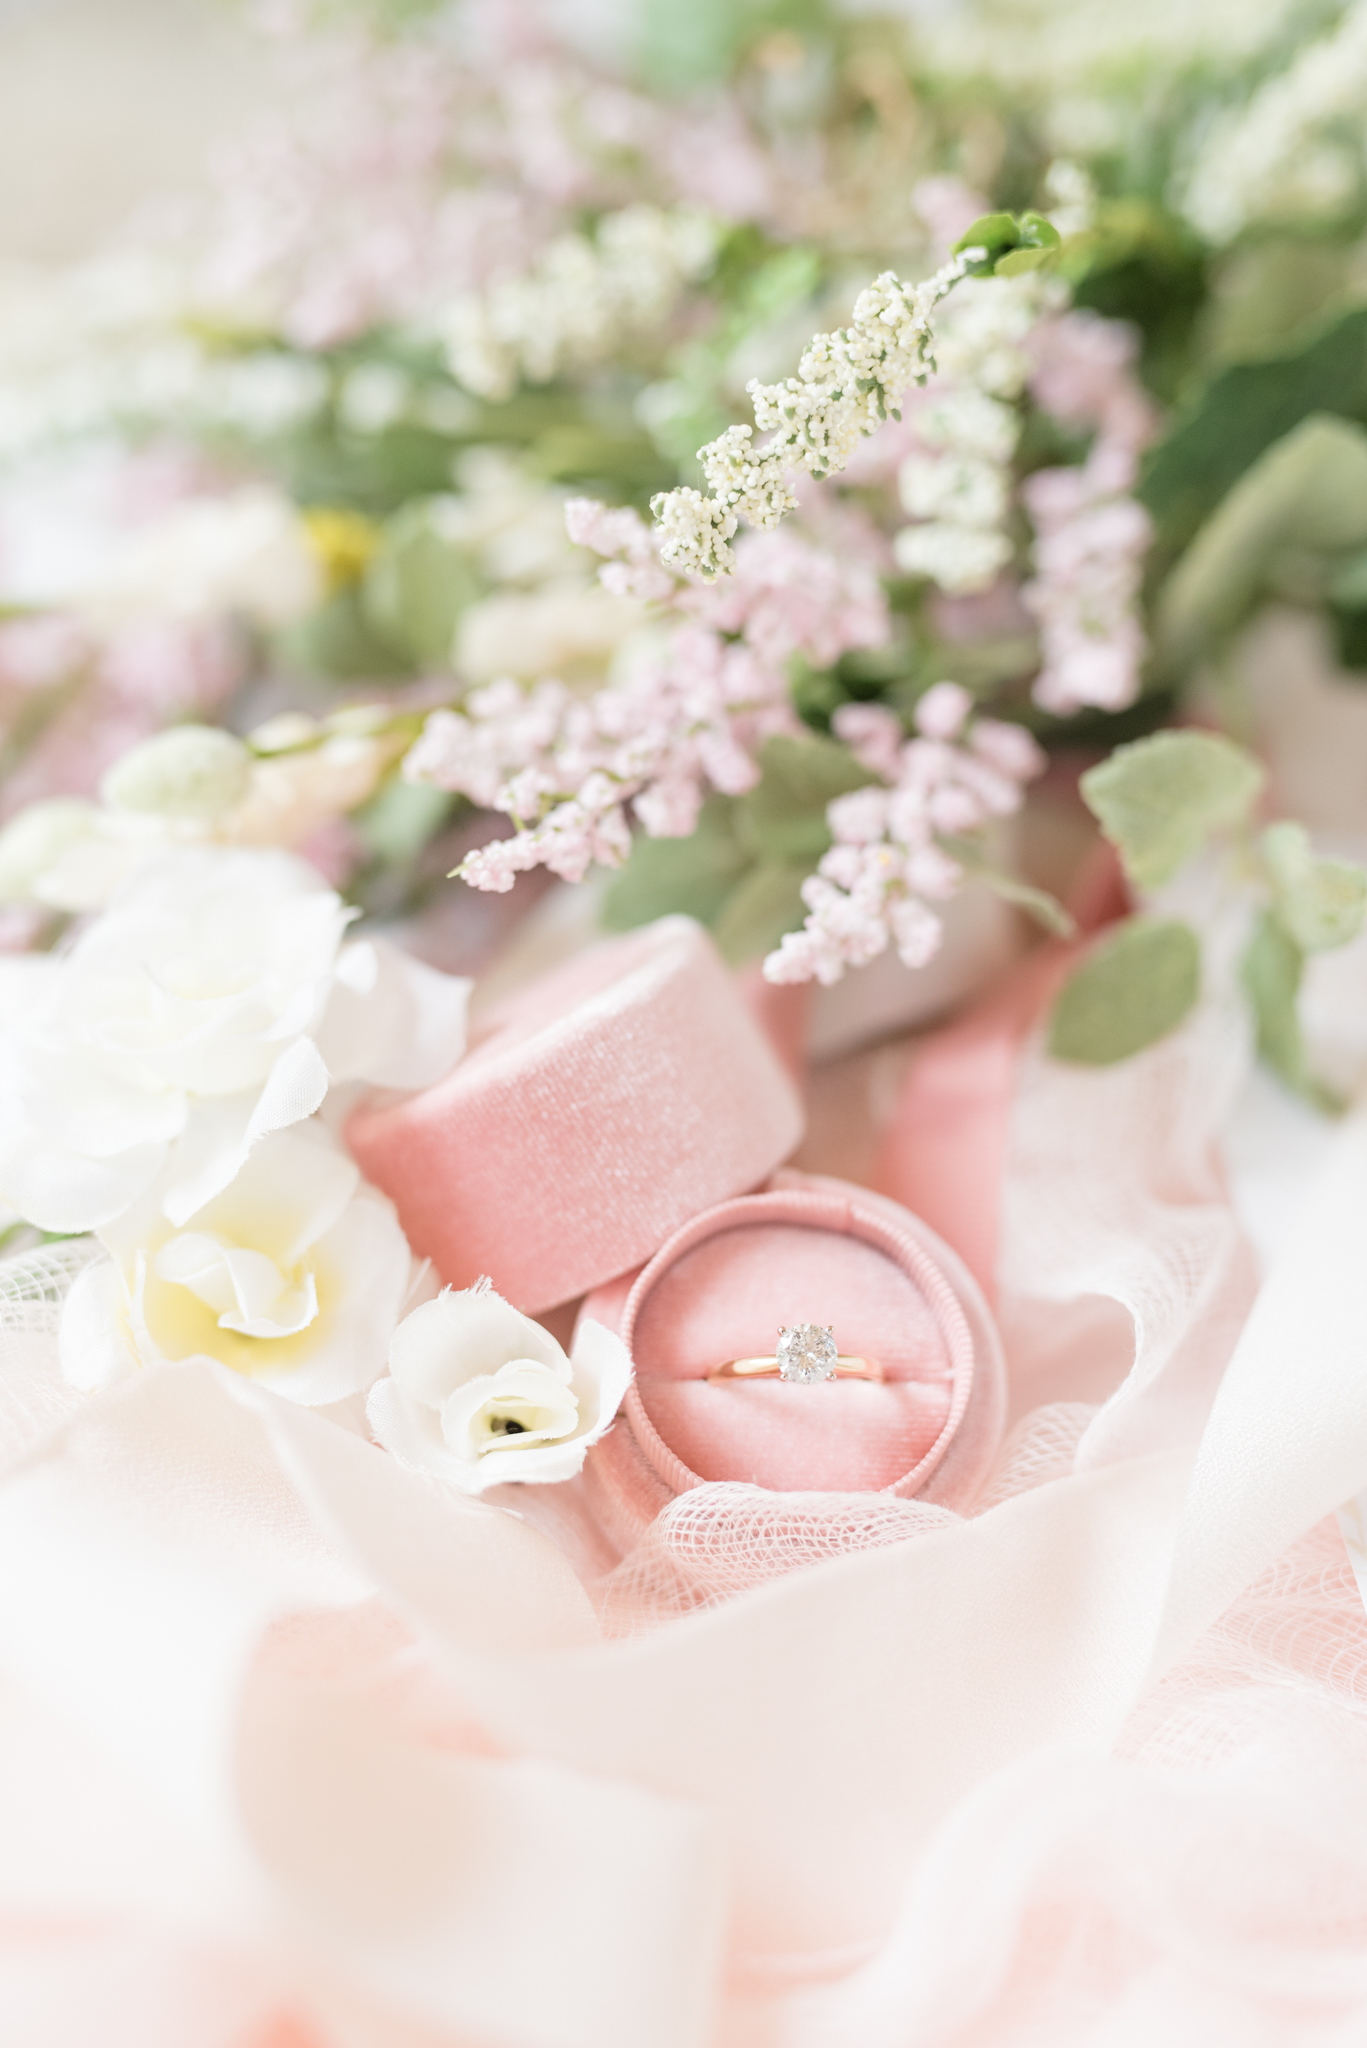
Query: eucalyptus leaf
{"x": 755, "y": 916}
{"x": 1159, "y": 799}
{"x": 1271, "y": 971}
{"x": 694, "y": 876}
{"x": 1320, "y": 902}
{"x": 1241, "y": 412}
{"x": 784, "y": 816}
{"x": 1132, "y": 989}
{"x": 1306, "y": 497}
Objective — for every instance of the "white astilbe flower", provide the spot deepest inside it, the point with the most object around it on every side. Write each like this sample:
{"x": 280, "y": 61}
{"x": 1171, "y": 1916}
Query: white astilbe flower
{"x": 579, "y": 302}
{"x": 1278, "y": 158}
{"x": 1091, "y": 536}
{"x": 887, "y": 869}
{"x": 957, "y": 481}
{"x": 480, "y": 1396}
{"x": 689, "y": 719}
{"x": 847, "y": 384}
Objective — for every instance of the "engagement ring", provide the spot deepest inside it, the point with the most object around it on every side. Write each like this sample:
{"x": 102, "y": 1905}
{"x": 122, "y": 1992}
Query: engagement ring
{"x": 806, "y": 1353}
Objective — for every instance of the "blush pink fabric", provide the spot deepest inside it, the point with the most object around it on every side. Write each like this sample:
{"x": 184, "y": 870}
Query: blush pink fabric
{"x": 944, "y": 1151}
{"x": 613, "y": 1099}
{"x": 806, "y": 1249}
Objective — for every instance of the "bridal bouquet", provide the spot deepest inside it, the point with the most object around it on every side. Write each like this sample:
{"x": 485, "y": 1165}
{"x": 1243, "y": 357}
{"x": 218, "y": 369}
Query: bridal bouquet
{"x": 682, "y": 1011}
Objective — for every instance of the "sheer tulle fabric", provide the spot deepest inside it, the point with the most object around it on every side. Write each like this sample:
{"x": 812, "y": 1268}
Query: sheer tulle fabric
{"x": 302, "y": 1752}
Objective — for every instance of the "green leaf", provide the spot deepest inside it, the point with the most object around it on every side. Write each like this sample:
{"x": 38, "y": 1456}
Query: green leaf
{"x": 420, "y": 581}
{"x": 400, "y": 818}
{"x": 784, "y": 816}
{"x": 1320, "y": 903}
{"x": 694, "y": 876}
{"x": 1159, "y": 799}
{"x": 1018, "y": 260}
{"x": 1349, "y": 586}
{"x": 1011, "y": 244}
{"x": 338, "y": 640}
{"x": 1244, "y": 410}
{"x": 1044, "y": 908}
{"x": 990, "y": 231}
{"x": 1133, "y": 989}
{"x": 767, "y": 904}
{"x": 1305, "y": 497}
{"x": 1271, "y": 972}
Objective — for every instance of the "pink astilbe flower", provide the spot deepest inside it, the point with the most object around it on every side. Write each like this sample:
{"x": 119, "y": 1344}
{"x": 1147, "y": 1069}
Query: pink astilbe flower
{"x": 877, "y": 885}
{"x": 1092, "y": 537}
{"x": 573, "y": 772}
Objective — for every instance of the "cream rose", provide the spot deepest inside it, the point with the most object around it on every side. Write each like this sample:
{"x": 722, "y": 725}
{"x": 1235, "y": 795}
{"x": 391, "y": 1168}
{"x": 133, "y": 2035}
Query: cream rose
{"x": 480, "y": 1395}
{"x": 295, "y": 1275}
{"x": 210, "y": 1005}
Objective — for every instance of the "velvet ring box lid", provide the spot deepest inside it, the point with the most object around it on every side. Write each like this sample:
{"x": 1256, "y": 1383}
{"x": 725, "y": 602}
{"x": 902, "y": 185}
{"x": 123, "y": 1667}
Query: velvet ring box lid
{"x": 806, "y": 1249}
{"x": 615, "y": 1098}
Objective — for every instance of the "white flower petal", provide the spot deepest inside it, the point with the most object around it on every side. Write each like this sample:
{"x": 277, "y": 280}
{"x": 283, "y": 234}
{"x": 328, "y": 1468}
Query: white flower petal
{"x": 362, "y": 1268}
{"x": 222, "y": 1135}
{"x": 391, "y": 1020}
{"x": 92, "y": 1341}
{"x": 602, "y": 1373}
{"x": 244, "y": 1288}
{"x": 408, "y": 1429}
{"x": 461, "y": 1335}
{"x": 287, "y": 1195}
{"x": 542, "y": 1465}
{"x": 522, "y": 1404}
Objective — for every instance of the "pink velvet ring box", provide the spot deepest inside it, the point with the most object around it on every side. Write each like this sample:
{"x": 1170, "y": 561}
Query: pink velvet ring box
{"x": 611, "y": 1101}
{"x": 806, "y": 1249}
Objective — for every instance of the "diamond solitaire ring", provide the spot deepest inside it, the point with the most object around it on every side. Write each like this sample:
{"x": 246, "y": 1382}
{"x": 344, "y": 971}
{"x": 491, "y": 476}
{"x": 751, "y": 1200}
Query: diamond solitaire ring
{"x": 806, "y": 1353}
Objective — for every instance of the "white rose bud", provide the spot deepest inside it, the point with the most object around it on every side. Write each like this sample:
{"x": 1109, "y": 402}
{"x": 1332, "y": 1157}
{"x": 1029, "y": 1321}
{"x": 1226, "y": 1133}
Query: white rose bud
{"x": 480, "y": 1395}
{"x": 35, "y": 840}
{"x": 192, "y": 771}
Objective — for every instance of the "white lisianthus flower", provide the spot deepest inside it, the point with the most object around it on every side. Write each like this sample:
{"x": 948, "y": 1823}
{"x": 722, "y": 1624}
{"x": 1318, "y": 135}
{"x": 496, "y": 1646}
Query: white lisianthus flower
{"x": 480, "y": 1395}
{"x": 211, "y": 1004}
{"x": 294, "y": 1275}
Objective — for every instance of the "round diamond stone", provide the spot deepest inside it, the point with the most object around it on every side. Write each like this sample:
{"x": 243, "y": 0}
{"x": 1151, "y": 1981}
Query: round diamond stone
{"x": 806, "y": 1354}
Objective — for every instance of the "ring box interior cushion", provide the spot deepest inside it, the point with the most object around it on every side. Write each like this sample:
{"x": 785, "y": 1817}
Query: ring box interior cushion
{"x": 806, "y": 1250}
{"x": 613, "y": 1099}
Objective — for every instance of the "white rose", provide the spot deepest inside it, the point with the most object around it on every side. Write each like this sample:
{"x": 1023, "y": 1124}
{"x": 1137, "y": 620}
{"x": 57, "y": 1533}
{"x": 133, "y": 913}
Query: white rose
{"x": 210, "y": 1005}
{"x": 295, "y": 1275}
{"x": 480, "y": 1395}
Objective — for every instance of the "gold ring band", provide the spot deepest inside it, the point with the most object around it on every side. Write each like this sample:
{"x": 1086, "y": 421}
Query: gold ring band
{"x": 842, "y": 1367}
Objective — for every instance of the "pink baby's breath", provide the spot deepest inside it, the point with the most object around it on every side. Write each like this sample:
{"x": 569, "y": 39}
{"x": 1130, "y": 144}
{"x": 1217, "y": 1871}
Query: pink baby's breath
{"x": 887, "y": 867}
{"x": 568, "y": 770}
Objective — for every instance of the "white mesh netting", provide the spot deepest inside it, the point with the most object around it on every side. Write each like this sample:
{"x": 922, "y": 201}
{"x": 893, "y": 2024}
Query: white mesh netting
{"x": 719, "y": 1540}
{"x": 33, "y": 1285}
{"x": 35, "y": 1282}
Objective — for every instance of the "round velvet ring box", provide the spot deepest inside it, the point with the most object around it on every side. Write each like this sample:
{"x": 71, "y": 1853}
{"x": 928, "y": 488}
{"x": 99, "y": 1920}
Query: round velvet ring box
{"x": 805, "y": 1249}
{"x": 613, "y": 1099}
